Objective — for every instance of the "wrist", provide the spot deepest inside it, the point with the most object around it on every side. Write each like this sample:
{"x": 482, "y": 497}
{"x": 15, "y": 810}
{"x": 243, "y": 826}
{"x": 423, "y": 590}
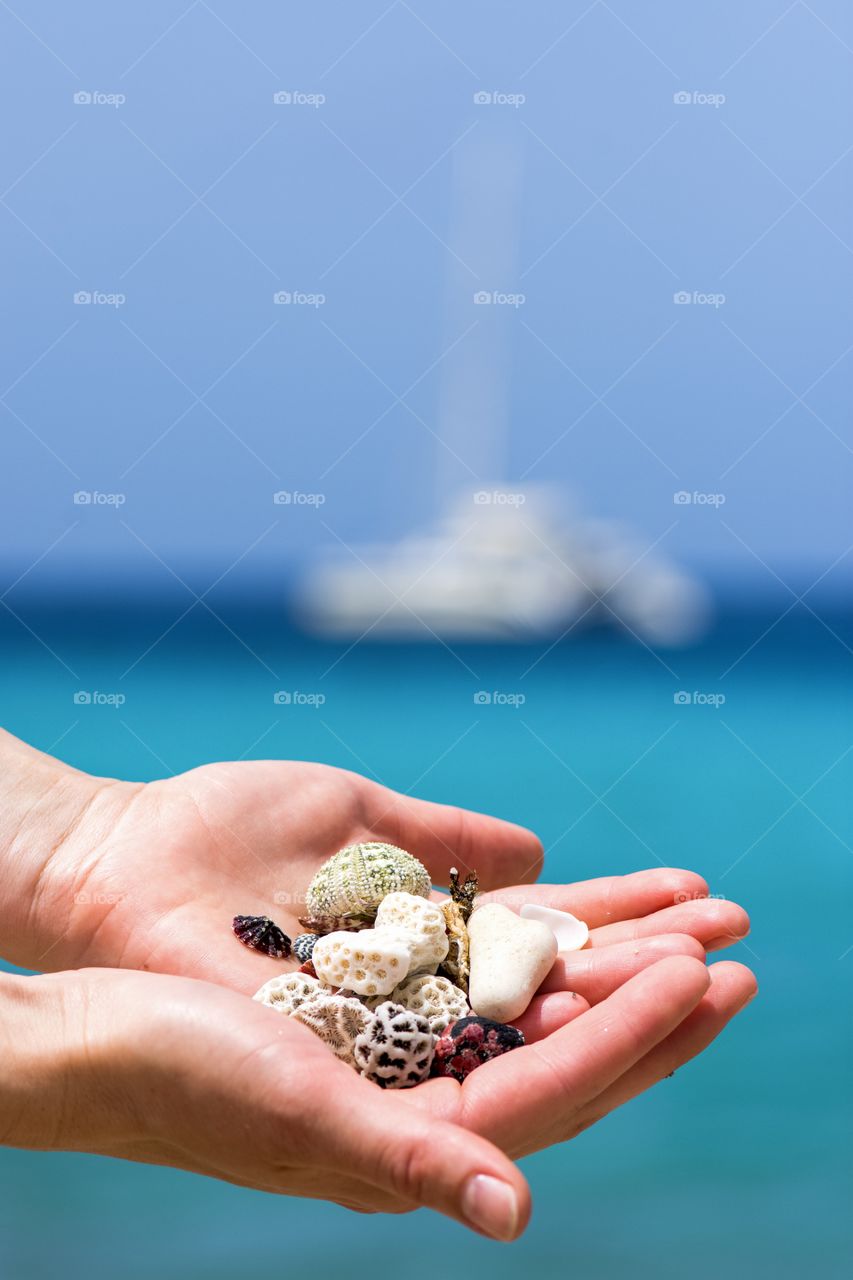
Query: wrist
{"x": 52, "y": 820}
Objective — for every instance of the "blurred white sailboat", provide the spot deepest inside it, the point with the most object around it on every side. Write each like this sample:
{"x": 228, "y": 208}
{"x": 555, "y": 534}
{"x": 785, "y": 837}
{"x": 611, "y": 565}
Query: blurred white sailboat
{"x": 512, "y": 568}
{"x": 509, "y": 562}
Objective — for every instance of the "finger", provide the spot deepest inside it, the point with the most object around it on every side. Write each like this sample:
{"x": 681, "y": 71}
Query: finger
{"x": 708, "y": 920}
{"x": 596, "y": 972}
{"x": 550, "y": 1081}
{"x": 612, "y": 898}
{"x": 547, "y": 1013}
{"x": 732, "y": 987}
{"x": 444, "y": 836}
{"x": 422, "y": 1161}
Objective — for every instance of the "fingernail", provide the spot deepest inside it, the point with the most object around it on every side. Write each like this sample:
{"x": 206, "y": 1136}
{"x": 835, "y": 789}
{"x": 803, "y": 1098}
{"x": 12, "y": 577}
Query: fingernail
{"x": 491, "y": 1206}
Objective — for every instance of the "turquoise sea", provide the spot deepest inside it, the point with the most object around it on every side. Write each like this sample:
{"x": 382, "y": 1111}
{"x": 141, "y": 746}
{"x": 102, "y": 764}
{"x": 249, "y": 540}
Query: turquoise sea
{"x": 740, "y": 1165}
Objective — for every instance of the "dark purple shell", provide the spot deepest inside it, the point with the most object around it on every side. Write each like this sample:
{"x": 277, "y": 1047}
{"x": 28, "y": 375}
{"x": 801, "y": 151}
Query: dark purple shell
{"x": 470, "y": 1042}
{"x": 261, "y": 934}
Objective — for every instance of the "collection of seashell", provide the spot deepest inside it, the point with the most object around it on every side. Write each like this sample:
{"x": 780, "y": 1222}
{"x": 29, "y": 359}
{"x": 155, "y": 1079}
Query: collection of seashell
{"x": 401, "y": 987}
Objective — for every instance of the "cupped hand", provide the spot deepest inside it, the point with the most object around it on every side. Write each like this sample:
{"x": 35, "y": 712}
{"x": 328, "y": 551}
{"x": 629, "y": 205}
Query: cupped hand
{"x": 189, "y": 1074}
{"x": 149, "y": 876}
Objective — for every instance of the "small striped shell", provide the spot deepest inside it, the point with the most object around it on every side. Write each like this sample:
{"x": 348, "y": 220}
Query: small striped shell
{"x": 356, "y": 879}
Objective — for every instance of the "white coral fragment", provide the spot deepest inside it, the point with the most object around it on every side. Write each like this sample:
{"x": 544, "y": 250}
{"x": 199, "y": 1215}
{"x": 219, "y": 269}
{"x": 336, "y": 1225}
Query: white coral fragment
{"x": 434, "y": 998}
{"x": 288, "y": 992}
{"x": 370, "y": 963}
{"x": 338, "y": 1021}
{"x": 422, "y": 921}
{"x": 396, "y": 1049}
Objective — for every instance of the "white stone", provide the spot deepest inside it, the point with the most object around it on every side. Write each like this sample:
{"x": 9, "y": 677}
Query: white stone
{"x": 510, "y": 958}
{"x": 288, "y": 991}
{"x": 571, "y": 933}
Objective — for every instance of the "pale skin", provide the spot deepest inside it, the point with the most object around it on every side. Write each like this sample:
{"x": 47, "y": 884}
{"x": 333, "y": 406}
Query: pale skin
{"x": 140, "y": 1042}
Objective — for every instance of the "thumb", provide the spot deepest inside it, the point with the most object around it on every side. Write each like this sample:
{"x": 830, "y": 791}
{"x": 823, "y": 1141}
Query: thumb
{"x": 404, "y": 1151}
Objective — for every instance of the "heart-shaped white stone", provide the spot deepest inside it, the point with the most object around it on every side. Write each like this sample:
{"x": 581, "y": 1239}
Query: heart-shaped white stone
{"x": 571, "y": 933}
{"x": 510, "y": 957}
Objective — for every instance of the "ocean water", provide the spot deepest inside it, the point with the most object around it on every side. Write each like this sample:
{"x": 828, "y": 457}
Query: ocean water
{"x": 739, "y": 1165}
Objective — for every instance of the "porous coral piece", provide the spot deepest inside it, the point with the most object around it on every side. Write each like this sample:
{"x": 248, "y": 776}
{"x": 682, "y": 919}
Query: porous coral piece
{"x": 356, "y": 879}
{"x": 434, "y": 998}
{"x": 395, "y": 1050}
{"x": 456, "y": 964}
{"x": 421, "y": 921}
{"x": 470, "y": 1042}
{"x": 338, "y": 1020}
{"x": 371, "y": 963}
{"x": 288, "y": 992}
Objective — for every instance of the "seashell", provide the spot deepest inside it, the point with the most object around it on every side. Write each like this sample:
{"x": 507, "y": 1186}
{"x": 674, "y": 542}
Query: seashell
{"x": 308, "y": 968}
{"x": 434, "y": 998}
{"x": 288, "y": 992}
{"x": 509, "y": 959}
{"x": 455, "y": 965}
{"x": 422, "y": 922}
{"x": 371, "y": 963}
{"x": 303, "y": 945}
{"x": 470, "y": 1042}
{"x": 261, "y": 934}
{"x": 334, "y": 924}
{"x": 571, "y": 933}
{"x": 339, "y": 1021}
{"x": 464, "y": 894}
{"x": 356, "y": 879}
{"x": 395, "y": 1050}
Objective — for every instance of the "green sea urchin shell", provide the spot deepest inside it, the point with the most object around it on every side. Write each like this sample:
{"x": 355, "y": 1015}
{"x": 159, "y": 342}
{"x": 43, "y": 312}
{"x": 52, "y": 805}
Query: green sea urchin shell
{"x": 355, "y": 880}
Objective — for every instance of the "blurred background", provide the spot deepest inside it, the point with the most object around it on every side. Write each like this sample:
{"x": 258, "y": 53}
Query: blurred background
{"x": 460, "y": 395}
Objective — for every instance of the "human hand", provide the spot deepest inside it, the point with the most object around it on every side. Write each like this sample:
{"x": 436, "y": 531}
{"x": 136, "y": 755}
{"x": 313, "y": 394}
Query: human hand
{"x": 185, "y": 1073}
{"x": 148, "y": 876}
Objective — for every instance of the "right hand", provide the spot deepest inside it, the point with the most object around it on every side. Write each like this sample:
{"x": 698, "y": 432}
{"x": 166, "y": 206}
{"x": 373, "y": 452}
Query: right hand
{"x": 181, "y": 1072}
